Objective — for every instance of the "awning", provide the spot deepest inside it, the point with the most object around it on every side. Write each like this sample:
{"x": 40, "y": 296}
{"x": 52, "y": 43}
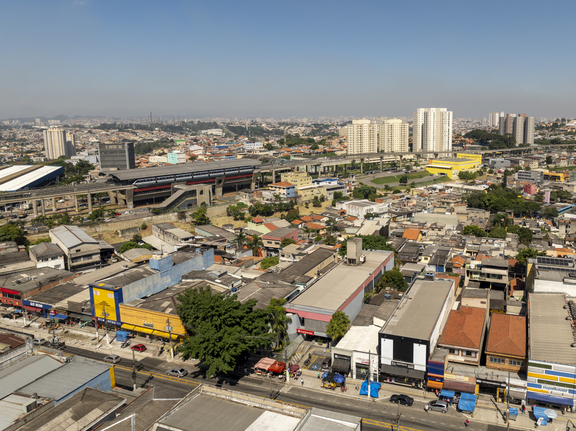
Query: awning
{"x": 341, "y": 366}
{"x": 82, "y": 317}
{"x": 550, "y": 399}
{"x": 403, "y": 372}
{"x": 35, "y": 309}
{"x": 59, "y": 316}
{"x": 127, "y": 327}
{"x": 467, "y": 402}
{"x": 447, "y": 394}
{"x": 277, "y": 367}
{"x": 143, "y": 329}
{"x": 432, "y": 384}
{"x": 164, "y": 334}
{"x": 463, "y": 387}
{"x": 264, "y": 364}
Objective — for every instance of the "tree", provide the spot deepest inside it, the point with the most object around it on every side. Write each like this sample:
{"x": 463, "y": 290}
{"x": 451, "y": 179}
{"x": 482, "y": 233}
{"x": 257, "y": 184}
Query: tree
{"x": 524, "y": 234}
{"x": 221, "y": 329}
{"x": 497, "y": 232}
{"x": 286, "y": 242}
{"x": 528, "y": 253}
{"x": 549, "y": 212}
{"x": 549, "y": 160}
{"x": 316, "y": 202}
{"x": 292, "y": 215}
{"x": 363, "y": 192}
{"x": 314, "y": 146}
{"x": 467, "y": 176}
{"x": 12, "y": 232}
{"x": 269, "y": 146}
{"x": 240, "y": 239}
{"x": 132, "y": 244}
{"x": 395, "y": 279}
{"x": 473, "y": 230}
{"x": 338, "y": 325}
{"x": 403, "y": 179}
{"x": 199, "y": 217}
{"x": 269, "y": 262}
{"x": 278, "y": 319}
{"x": 338, "y": 195}
{"x": 501, "y": 220}
{"x": 254, "y": 244}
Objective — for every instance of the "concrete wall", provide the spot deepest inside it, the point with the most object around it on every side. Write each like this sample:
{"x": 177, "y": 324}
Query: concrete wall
{"x": 128, "y": 232}
{"x": 161, "y": 280}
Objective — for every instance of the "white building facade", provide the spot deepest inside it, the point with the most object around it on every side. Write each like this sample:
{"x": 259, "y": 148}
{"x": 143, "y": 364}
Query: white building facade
{"x": 58, "y": 143}
{"x": 432, "y": 130}
{"x": 393, "y": 136}
{"x": 362, "y": 137}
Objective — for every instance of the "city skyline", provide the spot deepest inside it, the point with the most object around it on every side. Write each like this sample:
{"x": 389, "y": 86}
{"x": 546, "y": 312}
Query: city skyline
{"x": 284, "y": 60}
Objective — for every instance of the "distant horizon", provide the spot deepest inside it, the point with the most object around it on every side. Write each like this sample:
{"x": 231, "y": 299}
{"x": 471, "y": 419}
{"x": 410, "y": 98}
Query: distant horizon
{"x": 286, "y": 60}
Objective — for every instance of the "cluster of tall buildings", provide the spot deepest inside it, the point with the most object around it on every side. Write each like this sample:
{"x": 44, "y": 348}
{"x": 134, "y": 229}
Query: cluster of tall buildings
{"x": 58, "y": 143}
{"x": 432, "y": 131}
{"x": 521, "y": 126}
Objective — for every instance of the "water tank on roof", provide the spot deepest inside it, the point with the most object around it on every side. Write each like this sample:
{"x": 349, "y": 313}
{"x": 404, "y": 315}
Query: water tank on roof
{"x": 387, "y": 296}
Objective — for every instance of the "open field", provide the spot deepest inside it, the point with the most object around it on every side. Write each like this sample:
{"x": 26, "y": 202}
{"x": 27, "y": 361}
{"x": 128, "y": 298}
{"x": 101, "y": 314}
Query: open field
{"x": 396, "y": 178}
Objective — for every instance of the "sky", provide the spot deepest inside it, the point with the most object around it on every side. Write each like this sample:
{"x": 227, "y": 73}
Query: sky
{"x": 312, "y": 58}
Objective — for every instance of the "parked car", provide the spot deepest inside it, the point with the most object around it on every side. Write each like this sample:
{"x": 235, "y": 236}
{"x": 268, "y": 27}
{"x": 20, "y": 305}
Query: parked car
{"x": 39, "y": 341}
{"x": 326, "y": 364}
{"x": 139, "y": 347}
{"x": 438, "y": 405}
{"x": 402, "y": 399}
{"x": 113, "y": 359}
{"x": 181, "y": 372}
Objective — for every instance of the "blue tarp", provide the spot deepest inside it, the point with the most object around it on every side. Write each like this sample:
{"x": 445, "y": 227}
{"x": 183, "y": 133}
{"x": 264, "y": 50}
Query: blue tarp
{"x": 467, "y": 402}
{"x": 374, "y": 388}
{"x": 513, "y": 412}
{"x": 447, "y": 394}
{"x": 539, "y": 414}
{"x": 121, "y": 336}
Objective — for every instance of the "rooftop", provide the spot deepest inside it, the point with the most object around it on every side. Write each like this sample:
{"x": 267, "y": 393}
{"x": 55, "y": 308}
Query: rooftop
{"x": 507, "y": 335}
{"x": 32, "y": 278}
{"x": 425, "y": 299}
{"x": 333, "y": 289}
{"x": 25, "y": 371}
{"x": 46, "y": 250}
{"x": 464, "y": 328}
{"x": 550, "y": 334}
{"x": 280, "y": 232}
{"x": 360, "y": 338}
{"x": 72, "y": 236}
{"x": 296, "y": 272}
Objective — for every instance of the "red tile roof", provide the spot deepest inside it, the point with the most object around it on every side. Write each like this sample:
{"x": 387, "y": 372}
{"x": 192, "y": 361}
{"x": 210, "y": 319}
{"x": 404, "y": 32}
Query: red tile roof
{"x": 297, "y": 222}
{"x": 507, "y": 335}
{"x": 411, "y": 234}
{"x": 271, "y": 226}
{"x": 283, "y": 184}
{"x": 257, "y": 220}
{"x": 315, "y": 226}
{"x": 464, "y": 328}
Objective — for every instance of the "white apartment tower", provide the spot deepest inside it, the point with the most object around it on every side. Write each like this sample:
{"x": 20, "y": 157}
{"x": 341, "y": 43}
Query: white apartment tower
{"x": 393, "y": 136}
{"x": 432, "y": 130}
{"x": 362, "y": 137}
{"x": 58, "y": 143}
{"x": 494, "y": 119}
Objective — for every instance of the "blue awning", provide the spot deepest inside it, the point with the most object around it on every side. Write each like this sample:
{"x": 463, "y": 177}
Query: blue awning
{"x": 467, "y": 402}
{"x": 60, "y": 316}
{"x": 550, "y": 399}
{"x": 447, "y": 394}
{"x": 539, "y": 413}
{"x": 374, "y": 388}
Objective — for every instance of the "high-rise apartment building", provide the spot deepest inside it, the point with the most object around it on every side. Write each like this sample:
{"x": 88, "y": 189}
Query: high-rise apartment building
{"x": 494, "y": 119}
{"x": 521, "y": 126}
{"x": 393, "y": 136}
{"x": 116, "y": 157}
{"x": 362, "y": 137}
{"x": 58, "y": 143}
{"x": 432, "y": 130}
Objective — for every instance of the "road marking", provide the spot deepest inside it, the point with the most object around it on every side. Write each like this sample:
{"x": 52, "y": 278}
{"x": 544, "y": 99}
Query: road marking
{"x": 387, "y": 425}
{"x": 312, "y": 360}
{"x": 162, "y": 376}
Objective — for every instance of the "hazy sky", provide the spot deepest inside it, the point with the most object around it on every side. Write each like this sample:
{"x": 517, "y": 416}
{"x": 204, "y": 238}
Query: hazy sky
{"x": 291, "y": 58}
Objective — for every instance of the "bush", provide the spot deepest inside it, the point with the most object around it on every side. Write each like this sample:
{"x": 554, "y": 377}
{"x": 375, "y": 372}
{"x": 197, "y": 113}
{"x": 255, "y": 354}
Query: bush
{"x": 269, "y": 262}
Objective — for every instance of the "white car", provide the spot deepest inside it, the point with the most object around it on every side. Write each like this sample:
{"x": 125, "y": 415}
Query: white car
{"x": 113, "y": 359}
{"x": 39, "y": 341}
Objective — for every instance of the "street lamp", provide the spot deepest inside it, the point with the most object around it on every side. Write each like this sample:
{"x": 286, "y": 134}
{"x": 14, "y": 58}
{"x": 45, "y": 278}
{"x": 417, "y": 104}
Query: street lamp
{"x": 105, "y": 316}
{"x": 169, "y": 329}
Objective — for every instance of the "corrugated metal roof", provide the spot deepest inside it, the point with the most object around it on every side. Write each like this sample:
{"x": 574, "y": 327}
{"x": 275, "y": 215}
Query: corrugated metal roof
{"x": 66, "y": 379}
{"x": 24, "y": 372}
{"x": 71, "y": 236}
{"x": 13, "y": 170}
{"x": 134, "y": 174}
{"x": 25, "y": 180}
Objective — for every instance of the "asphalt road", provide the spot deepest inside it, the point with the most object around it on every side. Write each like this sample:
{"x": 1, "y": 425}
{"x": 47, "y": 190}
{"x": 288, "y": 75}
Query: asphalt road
{"x": 378, "y": 415}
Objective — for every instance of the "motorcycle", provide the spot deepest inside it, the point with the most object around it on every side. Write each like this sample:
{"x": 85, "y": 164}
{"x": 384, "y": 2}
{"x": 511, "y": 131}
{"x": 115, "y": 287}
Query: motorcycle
{"x": 307, "y": 361}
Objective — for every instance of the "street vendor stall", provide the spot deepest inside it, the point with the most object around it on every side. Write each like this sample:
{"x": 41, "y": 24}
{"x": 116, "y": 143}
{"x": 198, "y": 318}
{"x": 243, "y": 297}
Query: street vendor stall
{"x": 263, "y": 365}
{"x": 294, "y": 370}
{"x": 467, "y": 403}
{"x": 277, "y": 369}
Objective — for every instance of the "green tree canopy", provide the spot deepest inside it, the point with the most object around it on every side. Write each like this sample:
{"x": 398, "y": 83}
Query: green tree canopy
{"x": 363, "y": 192}
{"x": 369, "y": 242}
{"x": 338, "y": 325}
{"x": 12, "y": 232}
{"x": 199, "y": 217}
{"x": 132, "y": 244}
{"x": 467, "y": 176}
{"x": 403, "y": 179}
{"x": 269, "y": 262}
{"x": 287, "y": 241}
{"x": 255, "y": 243}
{"x": 395, "y": 280}
{"x": 221, "y": 329}
{"x": 497, "y": 232}
{"x": 528, "y": 253}
{"x": 474, "y": 230}
{"x": 524, "y": 234}
{"x": 278, "y": 319}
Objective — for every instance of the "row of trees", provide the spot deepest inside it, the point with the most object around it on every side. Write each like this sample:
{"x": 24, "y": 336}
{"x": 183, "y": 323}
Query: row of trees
{"x": 266, "y": 210}
{"x": 493, "y": 140}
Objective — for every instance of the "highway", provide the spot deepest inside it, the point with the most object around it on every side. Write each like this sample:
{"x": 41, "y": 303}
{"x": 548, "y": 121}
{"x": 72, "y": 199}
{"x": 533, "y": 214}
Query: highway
{"x": 377, "y": 415}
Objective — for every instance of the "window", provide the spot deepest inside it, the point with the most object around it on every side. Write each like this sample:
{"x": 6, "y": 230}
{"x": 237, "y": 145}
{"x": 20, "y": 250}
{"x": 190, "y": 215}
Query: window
{"x": 495, "y": 360}
{"x": 515, "y": 363}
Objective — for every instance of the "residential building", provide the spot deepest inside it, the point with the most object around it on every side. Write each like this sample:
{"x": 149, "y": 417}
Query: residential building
{"x": 506, "y": 346}
{"x": 530, "y": 176}
{"x": 308, "y": 193}
{"x": 521, "y": 126}
{"x": 253, "y": 146}
{"x": 176, "y": 158}
{"x": 463, "y": 335}
{"x": 393, "y": 136}
{"x": 551, "y": 275}
{"x": 273, "y": 239}
{"x": 362, "y": 137}
{"x": 48, "y": 255}
{"x": 284, "y": 189}
{"x": 58, "y": 143}
{"x": 551, "y": 359}
{"x": 361, "y": 207}
{"x": 116, "y": 157}
{"x": 451, "y": 166}
{"x": 81, "y": 249}
{"x": 491, "y": 273}
{"x": 432, "y": 130}
{"x": 299, "y": 179}
{"x": 493, "y": 119}
{"x": 410, "y": 335}
{"x": 171, "y": 234}
{"x": 506, "y": 124}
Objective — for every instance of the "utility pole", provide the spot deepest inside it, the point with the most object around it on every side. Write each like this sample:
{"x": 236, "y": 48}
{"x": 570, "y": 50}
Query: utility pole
{"x": 134, "y": 375}
{"x": 169, "y": 329}
{"x": 508, "y": 402}
{"x": 398, "y": 417}
{"x": 287, "y": 366}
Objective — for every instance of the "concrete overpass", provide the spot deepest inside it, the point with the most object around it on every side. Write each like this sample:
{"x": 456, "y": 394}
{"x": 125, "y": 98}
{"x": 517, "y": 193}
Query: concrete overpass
{"x": 53, "y": 192}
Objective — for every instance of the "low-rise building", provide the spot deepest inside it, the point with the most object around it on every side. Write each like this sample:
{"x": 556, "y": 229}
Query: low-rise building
{"x": 411, "y": 333}
{"x": 171, "y": 234}
{"x": 463, "y": 335}
{"x": 530, "y": 176}
{"x": 273, "y": 240}
{"x": 361, "y": 207}
{"x": 284, "y": 189}
{"x": 47, "y": 255}
{"x": 81, "y": 250}
{"x": 506, "y": 346}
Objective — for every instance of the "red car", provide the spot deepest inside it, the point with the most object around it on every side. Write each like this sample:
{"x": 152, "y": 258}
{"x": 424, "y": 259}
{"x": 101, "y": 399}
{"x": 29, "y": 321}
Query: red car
{"x": 139, "y": 347}
{"x": 117, "y": 214}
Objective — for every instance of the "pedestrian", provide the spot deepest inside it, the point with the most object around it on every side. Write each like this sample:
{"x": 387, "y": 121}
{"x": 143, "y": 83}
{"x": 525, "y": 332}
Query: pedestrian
{"x": 467, "y": 421}
{"x": 523, "y": 409}
{"x": 318, "y": 374}
{"x": 426, "y": 407}
{"x": 302, "y": 381}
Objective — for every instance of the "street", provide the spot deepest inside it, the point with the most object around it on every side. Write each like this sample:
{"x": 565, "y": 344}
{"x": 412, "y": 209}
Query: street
{"x": 377, "y": 414}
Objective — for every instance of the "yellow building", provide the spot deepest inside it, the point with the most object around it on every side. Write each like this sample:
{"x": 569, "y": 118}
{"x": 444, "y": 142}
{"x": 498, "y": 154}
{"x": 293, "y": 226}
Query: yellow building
{"x": 452, "y": 166}
{"x": 556, "y": 176}
{"x": 308, "y": 193}
{"x": 299, "y": 179}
